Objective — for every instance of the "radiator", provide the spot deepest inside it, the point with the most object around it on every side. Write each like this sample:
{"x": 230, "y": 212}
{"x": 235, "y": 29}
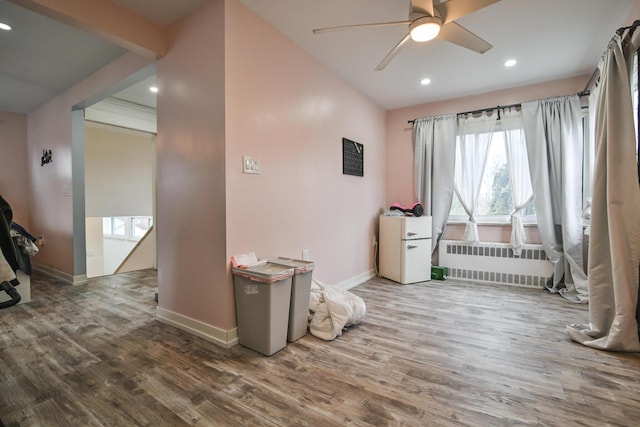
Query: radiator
{"x": 495, "y": 263}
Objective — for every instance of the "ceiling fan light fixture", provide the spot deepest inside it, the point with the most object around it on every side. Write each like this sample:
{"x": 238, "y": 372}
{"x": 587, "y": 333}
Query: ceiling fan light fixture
{"x": 424, "y": 29}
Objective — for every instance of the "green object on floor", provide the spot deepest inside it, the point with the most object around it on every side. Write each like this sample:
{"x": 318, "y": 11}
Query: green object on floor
{"x": 439, "y": 273}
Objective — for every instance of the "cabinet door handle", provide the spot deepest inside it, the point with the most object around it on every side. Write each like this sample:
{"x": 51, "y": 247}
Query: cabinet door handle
{"x": 410, "y": 233}
{"x": 411, "y": 247}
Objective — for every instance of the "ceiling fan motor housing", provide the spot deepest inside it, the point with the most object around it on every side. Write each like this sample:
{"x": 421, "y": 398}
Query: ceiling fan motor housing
{"x": 416, "y": 14}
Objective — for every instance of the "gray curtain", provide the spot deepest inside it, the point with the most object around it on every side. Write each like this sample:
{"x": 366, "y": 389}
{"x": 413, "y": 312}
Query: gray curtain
{"x": 553, "y": 130}
{"x": 434, "y": 142}
{"x": 614, "y": 247}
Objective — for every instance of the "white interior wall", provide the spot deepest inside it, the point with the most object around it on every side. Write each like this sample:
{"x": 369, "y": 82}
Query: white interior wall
{"x": 119, "y": 181}
{"x": 115, "y": 251}
{"x": 119, "y": 171}
{"x": 95, "y": 248}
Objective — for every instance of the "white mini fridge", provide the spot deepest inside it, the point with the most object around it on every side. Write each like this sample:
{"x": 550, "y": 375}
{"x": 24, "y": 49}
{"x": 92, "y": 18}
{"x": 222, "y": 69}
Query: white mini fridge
{"x": 405, "y": 248}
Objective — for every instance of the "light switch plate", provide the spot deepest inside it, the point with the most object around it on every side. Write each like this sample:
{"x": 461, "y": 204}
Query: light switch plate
{"x": 251, "y": 164}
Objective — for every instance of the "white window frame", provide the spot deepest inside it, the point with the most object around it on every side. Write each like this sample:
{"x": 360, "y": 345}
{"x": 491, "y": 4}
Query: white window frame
{"x": 108, "y": 227}
{"x": 111, "y": 226}
{"x": 132, "y": 226}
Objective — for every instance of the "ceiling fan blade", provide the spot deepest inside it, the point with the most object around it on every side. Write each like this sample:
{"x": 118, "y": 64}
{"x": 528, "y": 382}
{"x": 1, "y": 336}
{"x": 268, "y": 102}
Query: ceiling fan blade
{"x": 392, "y": 54}
{"x": 457, "y": 34}
{"x": 356, "y": 26}
{"x": 454, "y": 9}
{"x": 422, "y": 5}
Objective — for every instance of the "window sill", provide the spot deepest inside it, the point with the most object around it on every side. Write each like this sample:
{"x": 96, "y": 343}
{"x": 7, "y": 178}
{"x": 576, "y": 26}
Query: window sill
{"x": 496, "y": 222}
{"x": 106, "y": 236}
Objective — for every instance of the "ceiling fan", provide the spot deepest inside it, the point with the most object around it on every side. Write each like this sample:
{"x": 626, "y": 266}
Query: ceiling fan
{"x": 427, "y": 21}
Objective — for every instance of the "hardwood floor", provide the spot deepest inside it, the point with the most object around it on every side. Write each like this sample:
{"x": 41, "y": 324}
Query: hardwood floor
{"x": 438, "y": 353}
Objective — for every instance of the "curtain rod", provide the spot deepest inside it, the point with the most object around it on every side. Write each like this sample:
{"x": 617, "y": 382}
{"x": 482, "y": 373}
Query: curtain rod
{"x": 499, "y": 107}
{"x": 619, "y": 32}
{"x": 631, "y": 27}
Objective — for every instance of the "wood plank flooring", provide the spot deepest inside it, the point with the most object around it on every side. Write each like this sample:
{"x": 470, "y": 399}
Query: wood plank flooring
{"x": 437, "y": 353}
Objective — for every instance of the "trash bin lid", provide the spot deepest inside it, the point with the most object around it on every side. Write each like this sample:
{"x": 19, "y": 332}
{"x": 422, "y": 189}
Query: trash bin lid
{"x": 299, "y": 266}
{"x": 266, "y": 272}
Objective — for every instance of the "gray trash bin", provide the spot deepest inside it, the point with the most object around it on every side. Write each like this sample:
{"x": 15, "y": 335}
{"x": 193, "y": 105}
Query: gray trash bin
{"x": 263, "y": 294}
{"x": 300, "y": 292}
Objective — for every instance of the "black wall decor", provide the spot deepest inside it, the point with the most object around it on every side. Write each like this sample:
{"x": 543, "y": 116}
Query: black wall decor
{"x": 46, "y": 157}
{"x": 352, "y": 158}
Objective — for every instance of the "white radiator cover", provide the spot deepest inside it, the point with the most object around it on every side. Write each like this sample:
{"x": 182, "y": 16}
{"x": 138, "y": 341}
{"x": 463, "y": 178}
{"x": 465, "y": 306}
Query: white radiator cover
{"x": 490, "y": 262}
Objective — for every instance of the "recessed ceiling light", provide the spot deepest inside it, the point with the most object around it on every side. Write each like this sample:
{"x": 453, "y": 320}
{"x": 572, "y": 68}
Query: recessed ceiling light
{"x": 153, "y": 89}
{"x": 5, "y": 27}
{"x": 425, "y": 82}
{"x": 510, "y": 62}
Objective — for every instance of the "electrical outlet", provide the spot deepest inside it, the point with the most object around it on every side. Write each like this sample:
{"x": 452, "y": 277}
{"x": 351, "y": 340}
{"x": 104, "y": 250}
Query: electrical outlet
{"x": 305, "y": 254}
{"x": 41, "y": 240}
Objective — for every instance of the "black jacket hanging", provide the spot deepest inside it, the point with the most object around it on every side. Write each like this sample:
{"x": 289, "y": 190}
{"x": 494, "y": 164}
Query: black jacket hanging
{"x": 6, "y": 242}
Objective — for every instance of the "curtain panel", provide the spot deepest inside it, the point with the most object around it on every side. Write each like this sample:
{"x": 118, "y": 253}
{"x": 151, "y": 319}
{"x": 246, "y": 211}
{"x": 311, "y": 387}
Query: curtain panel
{"x": 553, "y": 130}
{"x": 434, "y": 142}
{"x": 614, "y": 250}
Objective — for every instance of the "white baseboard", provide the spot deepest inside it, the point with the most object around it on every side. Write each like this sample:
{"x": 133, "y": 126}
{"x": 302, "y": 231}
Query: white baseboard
{"x": 229, "y": 338}
{"x": 80, "y": 279}
{"x": 205, "y": 331}
{"x": 356, "y": 280}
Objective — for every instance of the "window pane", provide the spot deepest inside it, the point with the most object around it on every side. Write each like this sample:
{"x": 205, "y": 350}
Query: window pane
{"x": 139, "y": 227}
{"x": 106, "y": 226}
{"x": 456, "y": 207}
{"x": 495, "y": 191}
{"x": 118, "y": 227}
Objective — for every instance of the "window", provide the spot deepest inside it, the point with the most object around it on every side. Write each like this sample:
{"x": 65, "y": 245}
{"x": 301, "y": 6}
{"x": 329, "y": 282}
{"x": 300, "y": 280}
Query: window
{"x": 495, "y": 202}
{"x": 140, "y": 226}
{"x": 129, "y": 228}
{"x": 114, "y": 227}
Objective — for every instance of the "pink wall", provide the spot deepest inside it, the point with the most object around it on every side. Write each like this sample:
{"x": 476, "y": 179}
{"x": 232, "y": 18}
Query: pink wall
{"x": 399, "y": 148}
{"x": 13, "y": 165}
{"x": 292, "y": 113}
{"x": 191, "y": 221}
{"x": 223, "y": 95}
{"x": 51, "y": 196}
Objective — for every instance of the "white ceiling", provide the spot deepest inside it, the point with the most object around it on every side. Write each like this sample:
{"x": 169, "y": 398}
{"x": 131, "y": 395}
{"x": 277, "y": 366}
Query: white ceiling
{"x": 41, "y": 57}
{"x": 551, "y": 39}
{"x": 35, "y": 58}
